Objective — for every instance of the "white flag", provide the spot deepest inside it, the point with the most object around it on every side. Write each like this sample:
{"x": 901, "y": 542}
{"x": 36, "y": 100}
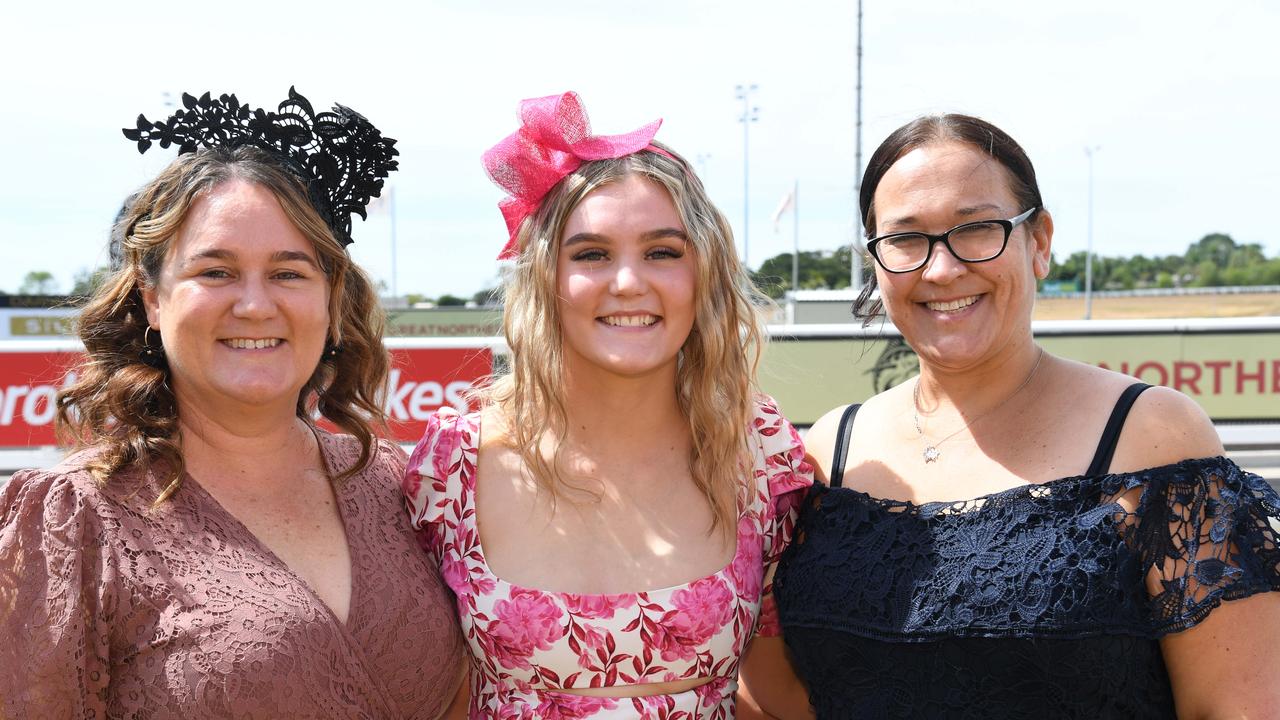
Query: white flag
{"x": 783, "y": 207}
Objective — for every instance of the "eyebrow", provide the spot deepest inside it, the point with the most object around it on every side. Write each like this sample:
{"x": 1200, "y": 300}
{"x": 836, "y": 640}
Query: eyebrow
{"x": 651, "y": 235}
{"x": 965, "y": 212}
{"x": 294, "y": 256}
{"x": 276, "y": 257}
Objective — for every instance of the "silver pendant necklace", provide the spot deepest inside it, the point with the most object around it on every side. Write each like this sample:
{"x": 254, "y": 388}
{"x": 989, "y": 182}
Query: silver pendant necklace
{"x": 931, "y": 452}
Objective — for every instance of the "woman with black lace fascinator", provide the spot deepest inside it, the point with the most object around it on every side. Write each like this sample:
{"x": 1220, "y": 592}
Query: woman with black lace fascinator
{"x": 208, "y": 551}
{"x": 966, "y": 558}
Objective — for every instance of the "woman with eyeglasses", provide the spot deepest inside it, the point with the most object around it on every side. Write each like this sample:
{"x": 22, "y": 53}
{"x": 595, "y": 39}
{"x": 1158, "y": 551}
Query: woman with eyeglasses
{"x": 1009, "y": 533}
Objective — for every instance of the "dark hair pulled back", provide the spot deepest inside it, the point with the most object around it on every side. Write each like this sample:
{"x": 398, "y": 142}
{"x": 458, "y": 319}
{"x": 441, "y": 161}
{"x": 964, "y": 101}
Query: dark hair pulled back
{"x": 925, "y": 130}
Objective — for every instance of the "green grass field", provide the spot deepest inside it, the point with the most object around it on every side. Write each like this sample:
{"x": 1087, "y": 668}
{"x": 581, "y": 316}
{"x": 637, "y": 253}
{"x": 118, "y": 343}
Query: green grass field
{"x": 1173, "y": 306}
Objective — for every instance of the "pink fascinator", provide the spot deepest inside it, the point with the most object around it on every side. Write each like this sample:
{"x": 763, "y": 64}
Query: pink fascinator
{"x": 554, "y": 139}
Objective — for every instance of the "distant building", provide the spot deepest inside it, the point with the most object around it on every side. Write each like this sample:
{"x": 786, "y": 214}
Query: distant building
{"x": 37, "y": 317}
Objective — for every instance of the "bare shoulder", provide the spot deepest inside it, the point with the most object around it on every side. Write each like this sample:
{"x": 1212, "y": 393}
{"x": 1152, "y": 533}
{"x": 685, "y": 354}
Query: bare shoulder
{"x": 820, "y": 442}
{"x": 494, "y": 427}
{"x": 1165, "y": 427}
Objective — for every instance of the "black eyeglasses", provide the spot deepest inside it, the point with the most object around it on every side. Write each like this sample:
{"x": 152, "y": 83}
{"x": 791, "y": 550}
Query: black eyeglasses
{"x": 973, "y": 242}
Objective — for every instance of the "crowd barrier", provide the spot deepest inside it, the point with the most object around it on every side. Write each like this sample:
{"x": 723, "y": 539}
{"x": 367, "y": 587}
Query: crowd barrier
{"x": 1230, "y": 366}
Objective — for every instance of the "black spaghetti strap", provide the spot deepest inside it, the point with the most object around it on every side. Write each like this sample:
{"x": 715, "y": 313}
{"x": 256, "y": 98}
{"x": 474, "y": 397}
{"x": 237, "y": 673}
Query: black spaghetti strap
{"x": 1111, "y": 434}
{"x": 843, "y": 433}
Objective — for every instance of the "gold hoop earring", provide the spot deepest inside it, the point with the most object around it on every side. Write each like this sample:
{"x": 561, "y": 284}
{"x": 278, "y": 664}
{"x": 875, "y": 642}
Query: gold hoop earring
{"x": 151, "y": 356}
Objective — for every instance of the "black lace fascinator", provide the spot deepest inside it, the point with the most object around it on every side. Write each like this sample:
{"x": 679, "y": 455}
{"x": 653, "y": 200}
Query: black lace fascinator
{"x": 340, "y": 155}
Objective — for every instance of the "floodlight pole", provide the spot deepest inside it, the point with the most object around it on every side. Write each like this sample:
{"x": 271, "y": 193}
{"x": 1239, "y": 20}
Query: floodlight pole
{"x": 855, "y": 255}
{"x": 750, "y": 114}
{"x": 1088, "y": 253}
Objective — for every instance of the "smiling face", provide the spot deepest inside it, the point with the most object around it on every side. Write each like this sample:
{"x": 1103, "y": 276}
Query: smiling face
{"x": 241, "y": 303}
{"x": 625, "y": 278}
{"x": 954, "y": 314}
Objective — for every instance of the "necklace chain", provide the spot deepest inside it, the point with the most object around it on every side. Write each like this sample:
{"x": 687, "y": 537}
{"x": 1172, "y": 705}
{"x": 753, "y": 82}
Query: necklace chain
{"x": 931, "y": 452}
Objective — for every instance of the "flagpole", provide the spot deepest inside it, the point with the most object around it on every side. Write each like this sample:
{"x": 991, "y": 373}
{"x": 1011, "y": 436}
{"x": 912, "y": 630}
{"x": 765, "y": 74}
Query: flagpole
{"x": 795, "y": 235}
{"x": 391, "y": 201}
{"x": 795, "y": 249}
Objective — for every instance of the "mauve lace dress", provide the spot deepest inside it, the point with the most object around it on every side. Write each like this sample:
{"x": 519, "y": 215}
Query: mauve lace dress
{"x": 111, "y": 609}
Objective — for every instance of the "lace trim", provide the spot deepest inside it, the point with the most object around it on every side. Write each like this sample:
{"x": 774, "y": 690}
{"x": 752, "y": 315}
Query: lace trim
{"x": 1062, "y": 559}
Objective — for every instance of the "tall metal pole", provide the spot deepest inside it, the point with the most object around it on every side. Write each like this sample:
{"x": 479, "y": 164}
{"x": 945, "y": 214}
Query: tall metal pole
{"x": 795, "y": 238}
{"x": 391, "y": 207}
{"x": 1088, "y": 253}
{"x": 855, "y": 247}
{"x": 702, "y": 159}
{"x": 749, "y": 115}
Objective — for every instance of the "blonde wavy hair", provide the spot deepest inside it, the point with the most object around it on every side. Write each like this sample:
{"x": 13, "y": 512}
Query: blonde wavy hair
{"x": 127, "y": 409}
{"x": 716, "y": 376}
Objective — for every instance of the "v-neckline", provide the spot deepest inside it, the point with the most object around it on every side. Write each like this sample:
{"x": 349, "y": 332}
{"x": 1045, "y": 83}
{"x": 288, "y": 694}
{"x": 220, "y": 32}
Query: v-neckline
{"x": 269, "y": 554}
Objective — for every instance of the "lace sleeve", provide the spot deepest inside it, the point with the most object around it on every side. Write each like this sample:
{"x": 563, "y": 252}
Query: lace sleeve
{"x": 1206, "y": 532}
{"x": 54, "y": 656}
{"x": 787, "y": 476}
{"x": 435, "y": 467}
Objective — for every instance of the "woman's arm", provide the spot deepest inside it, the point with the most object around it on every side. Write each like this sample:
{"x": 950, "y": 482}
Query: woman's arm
{"x": 461, "y": 699}
{"x": 820, "y": 443}
{"x": 770, "y": 683}
{"x": 53, "y": 651}
{"x": 1228, "y": 664}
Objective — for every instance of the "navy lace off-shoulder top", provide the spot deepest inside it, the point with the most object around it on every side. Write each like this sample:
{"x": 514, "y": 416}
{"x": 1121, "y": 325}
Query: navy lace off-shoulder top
{"x": 1030, "y": 602}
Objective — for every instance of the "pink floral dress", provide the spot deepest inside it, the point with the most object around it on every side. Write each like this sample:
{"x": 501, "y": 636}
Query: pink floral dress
{"x": 528, "y": 644}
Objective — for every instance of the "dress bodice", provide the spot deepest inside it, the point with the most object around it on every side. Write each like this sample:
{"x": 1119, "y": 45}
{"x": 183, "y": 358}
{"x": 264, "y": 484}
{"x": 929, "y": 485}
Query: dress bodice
{"x": 1030, "y": 600}
{"x": 530, "y": 644}
{"x": 113, "y": 607}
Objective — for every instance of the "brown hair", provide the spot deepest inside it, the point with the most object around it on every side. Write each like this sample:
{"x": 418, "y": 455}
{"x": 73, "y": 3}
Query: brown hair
{"x": 127, "y": 408}
{"x": 939, "y": 128}
{"x": 715, "y": 383}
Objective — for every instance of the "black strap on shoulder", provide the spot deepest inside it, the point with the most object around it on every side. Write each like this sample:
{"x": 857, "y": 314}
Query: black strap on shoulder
{"x": 1111, "y": 434}
{"x": 843, "y": 433}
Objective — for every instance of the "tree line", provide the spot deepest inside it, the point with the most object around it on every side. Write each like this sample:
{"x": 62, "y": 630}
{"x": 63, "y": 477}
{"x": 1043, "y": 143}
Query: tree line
{"x": 1213, "y": 261}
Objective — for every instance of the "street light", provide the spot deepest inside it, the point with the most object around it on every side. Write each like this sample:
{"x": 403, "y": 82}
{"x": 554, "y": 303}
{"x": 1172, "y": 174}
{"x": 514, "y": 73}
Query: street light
{"x": 1088, "y": 253}
{"x": 855, "y": 247}
{"x": 702, "y": 159}
{"x": 750, "y": 114}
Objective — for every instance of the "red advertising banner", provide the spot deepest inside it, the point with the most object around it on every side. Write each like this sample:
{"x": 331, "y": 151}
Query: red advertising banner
{"x": 422, "y": 381}
{"x": 29, "y": 384}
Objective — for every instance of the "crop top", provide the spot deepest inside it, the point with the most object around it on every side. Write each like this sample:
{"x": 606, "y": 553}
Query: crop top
{"x": 529, "y": 644}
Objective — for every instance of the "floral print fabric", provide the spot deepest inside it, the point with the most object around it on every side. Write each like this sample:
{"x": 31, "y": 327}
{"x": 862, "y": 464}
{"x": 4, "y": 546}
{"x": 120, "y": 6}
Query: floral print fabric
{"x": 529, "y": 644}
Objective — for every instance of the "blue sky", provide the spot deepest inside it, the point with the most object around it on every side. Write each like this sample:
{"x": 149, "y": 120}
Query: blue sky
{"x": 1180, "y": 97}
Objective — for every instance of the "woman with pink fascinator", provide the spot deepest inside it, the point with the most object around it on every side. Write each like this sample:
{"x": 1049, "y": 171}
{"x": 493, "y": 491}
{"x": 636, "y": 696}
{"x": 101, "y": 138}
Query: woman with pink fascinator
{"x": 610, "y": 519}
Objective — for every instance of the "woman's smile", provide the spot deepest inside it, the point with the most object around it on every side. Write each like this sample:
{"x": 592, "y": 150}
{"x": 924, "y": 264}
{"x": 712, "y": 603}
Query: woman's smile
{"x": 641, "y": 321}
{"x": 950, "y": 306}
{"x": 252, "y": 343}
